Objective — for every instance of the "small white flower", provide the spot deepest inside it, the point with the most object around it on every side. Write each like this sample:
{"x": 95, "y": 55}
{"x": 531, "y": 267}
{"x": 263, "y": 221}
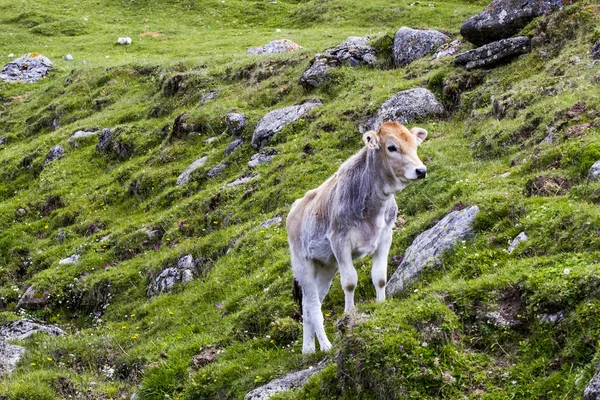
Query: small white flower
{"x": 566, "y": 271}
{"x": 424, "y": 344}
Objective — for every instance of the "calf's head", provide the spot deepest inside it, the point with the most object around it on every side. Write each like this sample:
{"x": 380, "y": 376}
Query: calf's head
{"x": 398, "y": 145}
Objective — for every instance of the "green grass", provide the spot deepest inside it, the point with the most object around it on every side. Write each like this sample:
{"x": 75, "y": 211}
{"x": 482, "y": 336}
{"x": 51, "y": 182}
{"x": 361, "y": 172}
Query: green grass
{"x": 119, "y": 341}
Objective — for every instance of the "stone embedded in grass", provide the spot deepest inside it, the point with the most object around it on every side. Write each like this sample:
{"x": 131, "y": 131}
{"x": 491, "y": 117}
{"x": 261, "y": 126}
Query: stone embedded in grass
{"x": 447, "y": 49}
{"x": 216, "y": 170}
{"x": 412, "y": 44}
{"x": 592, "y": 390}
{"x": 427, "y": 249}
{"x": 595, "y": 51}
{"x": 276, "y": 120}
{"x": 503, "y": 18}
{"x": 124, "y": 40}
{"x": 70, "y": 260}
{"x": 3, "y": 140}
{"x": 33, "y": 300}
{"x": 184, "y": 177}
{"x": 28, "y": 68}
{"x": 494, "y": 53}
{"x": 291, "y": 381}
{"x": 183, "y": 272}
{"x": 235, "y": 123}
{"x": 104, "y": 139}
{"x": 353, "y": 52}
{"x": 24, "y": 328}
{"x": 210, "y": 96}
{"x": 56, "y": 152}
{"x": 594, "y": 172}
{"x": 233, "y": 146}
{"x": 10, "y": 355}
{"x": 276, "y": 46}
{"x": 61, "y": 236}
{"x": 404, "y": 107}
{"x": 270, "y": 222}
{"x": 240, "y": 181}
{"x": 263, "y": 157}
{"x": 547, "y": 186}
{"x": 78, "y": 136}
{"x": 68, "y": 57}
{"x": 521, "y": 237}
{"x": 205, "y": 357}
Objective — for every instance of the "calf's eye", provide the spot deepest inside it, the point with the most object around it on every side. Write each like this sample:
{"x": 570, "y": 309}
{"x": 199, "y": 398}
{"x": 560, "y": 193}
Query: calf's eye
{"x": 392, "y": 148}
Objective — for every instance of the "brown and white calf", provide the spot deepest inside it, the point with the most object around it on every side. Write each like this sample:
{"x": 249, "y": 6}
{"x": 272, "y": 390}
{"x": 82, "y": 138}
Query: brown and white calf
{"x": 349, "y": 216}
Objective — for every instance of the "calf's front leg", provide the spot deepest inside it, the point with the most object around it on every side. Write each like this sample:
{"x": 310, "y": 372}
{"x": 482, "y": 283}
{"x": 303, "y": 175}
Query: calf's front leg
{"x": 380, "y": 260}
{"x": 348, "y": 276}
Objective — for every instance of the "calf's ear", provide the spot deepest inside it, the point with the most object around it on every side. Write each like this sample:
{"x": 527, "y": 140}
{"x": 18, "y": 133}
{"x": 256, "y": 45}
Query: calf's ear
{"x": 420, "y": 133}
{"x": 371, "y": 140}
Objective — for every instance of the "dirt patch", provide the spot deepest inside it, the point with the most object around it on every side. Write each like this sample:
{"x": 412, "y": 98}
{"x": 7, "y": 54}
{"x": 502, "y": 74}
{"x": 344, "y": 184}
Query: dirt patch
{"x": 151, "y": 34}
{"x": 205, "y": 357}
{"x": 577, "y": 109}
{"x": 547, "y": 186}
{"x": 577, "y": 130}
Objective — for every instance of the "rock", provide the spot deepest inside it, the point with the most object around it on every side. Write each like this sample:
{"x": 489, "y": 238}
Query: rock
{"x": 210, "y": 140}
{"x": 32, "y": 300}
{"x": 56, "y": 152}
{"x": 428, "y": 247}
{"x": 28, "y": 68}
{"x": 205, "y": 357}
{"x": 276, "y": 46}
{"x": 496, "y": 318}
{"x": 521, "y": 237}
{"x": 412, "y": 44}
{"x": 216, "y": 170}
{"x": 164, "y": 282}
{"x": 292, "y": 381}
{"x": 577, "y": 130}
{"x": 447, "y": 49}
{"x": 70, "y": 260}
{"x": 503, "y": 18}
{"x": 24, "y": 328}
{"x": 104, "y": 140}
{"x": 3, "y": 140}
{"x": 10, "y": 355}
{"x": 494, "y": 53}
{"x": 595, "y": 52}
{"x": 68, "y": 57}
{"x": 210, "y": 96}
{"x": 550, "y": 137}
{"x": 577, "y": 109}
{"x": 235, "y": 123}
{"x": 404, "y": 107}
{"x": 75, "y": 138}
{"x": 547, "y": 186}
{"x": 21, "y": 211}
{"x": 240, "y": 181}
{"x": 184, "y": 178}
{"x": 263, "y": 157}
{"x": 61, "y": 236}
{"x": 594, "y": 172}
{"x": 270, "y": 222}
{"x": 124, "y": 40}
{"x": 353, "y": 52}
{"x": 592, "y": 391}
{"x": 276, "y": 120}
{"x": 233, "y": 146}
{"x": 551, "y": 318}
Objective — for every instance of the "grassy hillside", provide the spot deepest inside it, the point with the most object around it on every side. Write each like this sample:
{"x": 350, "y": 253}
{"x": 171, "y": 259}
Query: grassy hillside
{"x": 430, "y": 342}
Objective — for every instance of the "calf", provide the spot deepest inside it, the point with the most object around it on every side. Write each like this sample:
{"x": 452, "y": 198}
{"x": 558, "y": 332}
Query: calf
{"x": 349, "y": 216}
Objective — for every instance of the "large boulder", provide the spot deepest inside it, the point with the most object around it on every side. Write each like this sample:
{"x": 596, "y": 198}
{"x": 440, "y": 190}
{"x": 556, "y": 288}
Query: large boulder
{"x": 404, "y": 107}
{"x": 494, "y": 53}
{"x": 503, "y": 18}
{"x": 353, "y": 52}
{"x": 184, "y": 271}
{"x": 54, "y": 153}
{"x": 33, "y": 300}
{"x": 412, "y": 44}
{"x": 428, "y": 247}
{"x": 28, "y": 68}
{"x": 276, "y": 46}
{"x": 292, "y": 381}
{"x": 184, "y": 177}
{"x": 276, "y": 120}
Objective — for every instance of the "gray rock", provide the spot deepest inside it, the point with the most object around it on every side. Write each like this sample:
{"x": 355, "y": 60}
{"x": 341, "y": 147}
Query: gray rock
{"x": 233, "y": 146}
{"x": 104, "y": 140}
{"x": 210, "y": 139}
{"x": 24, "y": 328}
{"x": 210, "y": 96}
{"x": 184, "y": 178}
{"x": 276, "y": 46}
{"x": 28, "y": 68}
{"x": 68, "y": 57}
{"x": 447, "y": 49}
{"x": 592, "y": 391}
{"x": 594, "y": 172}
{"x": 412, "y": 44}
{"x": 61, "y": 236}
{"x": 10, "y": 355}
{"x": 21, "y": 211}
{"x": 216, "y": 170}
{"x": 353, "y": 52}
{"x": 75, "y": 138}
{"x": 550, "y": 137}
{"x": 240, "y": 181}
{"x": 270, "y": 222}
{"x": 404, "y": 107}
{"x": 32, "y": 300}
{"x": 494, "y": 53}
{"x": 56, "y": 152}
{"x": 292, "y": 381}
{"x": 595, "y": 52}
{"x": 428, "y": 247}
{"x": 185, "y": 271}
{"x": 3, "y": 140}
{"x": 521, "y": 237}
{"x": 124, "y": 40}
{"x": 235, "y": 123}
{"x": 70, "y": 260}
{"x": 551, "y": 318}
{"x": 263, "y": 157}
{"x": 276, "y": 120}
{"x": 503, "y": 18}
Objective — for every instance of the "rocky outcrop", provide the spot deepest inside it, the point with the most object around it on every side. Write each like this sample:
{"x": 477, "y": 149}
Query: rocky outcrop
{"x": 28, "y": 68}
{"x": 404, "y": 107}
{"x": 503, "y": 18}
{"x": 56, "y": 152}
{"x": 276, "y": 46}
{"x": 33, "y": 300}
{"x": 184, "y": 177}
{"x": 428, "y": 247}
{"x": 447, "y": 49}
{"x": 235, "y": 123}
{"x": 104, "y": 140}
{"x": 594, "y": 172}
{"x": 185, "y": 271}
{"x": 521, "y": 237}
{"x": 412, "y": 44}
{"x": 233, "y": 146}
{"x": 276, "y": 120}
{"x": 216, "y": 170}
{"x": 494, "y": 53}
{"x": 265, "y": 156}
{"x": 292, "y": 381}
{"x": 353, "y": 52}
